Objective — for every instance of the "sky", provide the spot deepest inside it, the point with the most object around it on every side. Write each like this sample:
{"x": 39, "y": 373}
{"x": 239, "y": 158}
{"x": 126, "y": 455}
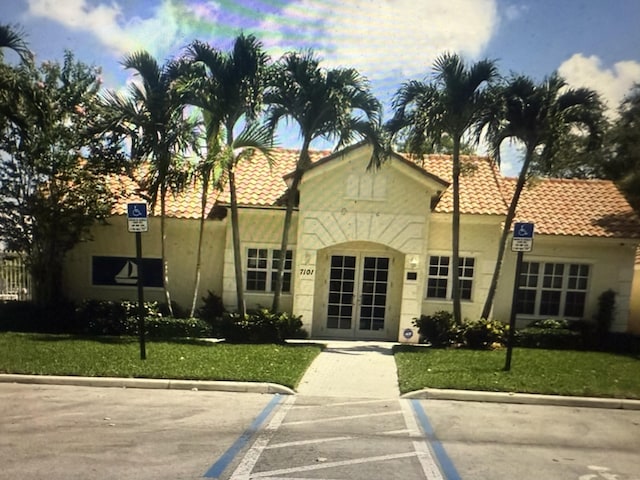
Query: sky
{"x": 591, "y": 43}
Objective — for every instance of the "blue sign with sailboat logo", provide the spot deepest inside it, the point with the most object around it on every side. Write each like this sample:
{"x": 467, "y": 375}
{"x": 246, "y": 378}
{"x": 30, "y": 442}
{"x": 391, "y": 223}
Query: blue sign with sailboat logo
{"x": 123, "y": 271}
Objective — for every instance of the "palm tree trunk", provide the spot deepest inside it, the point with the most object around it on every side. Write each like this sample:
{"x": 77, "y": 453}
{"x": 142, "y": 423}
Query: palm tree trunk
{"x": 511, "y": 213}
{"x": 237, "y": 254}
{"x": 196, "y": 283}
{"x": 163, "y": 253}
{"x": 455, "y": 233}
{"x": 303, "y": 163}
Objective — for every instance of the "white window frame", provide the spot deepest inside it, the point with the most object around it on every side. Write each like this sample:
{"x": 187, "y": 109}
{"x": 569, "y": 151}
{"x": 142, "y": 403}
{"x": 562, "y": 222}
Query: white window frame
{"x": 550, "y": 280}
{"x": 256, "y": 262}
{"x": 463, "y": 268}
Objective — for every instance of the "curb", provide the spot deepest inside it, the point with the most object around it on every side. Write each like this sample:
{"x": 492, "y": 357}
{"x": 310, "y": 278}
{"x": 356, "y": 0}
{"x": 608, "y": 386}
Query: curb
{"x": 151, "y": 383}
{"x": 523, "y": 398}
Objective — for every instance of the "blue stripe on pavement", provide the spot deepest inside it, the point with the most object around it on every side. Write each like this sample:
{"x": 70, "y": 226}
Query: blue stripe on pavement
{"x": 223, "y": 462}
{"x": 446, "y": 465}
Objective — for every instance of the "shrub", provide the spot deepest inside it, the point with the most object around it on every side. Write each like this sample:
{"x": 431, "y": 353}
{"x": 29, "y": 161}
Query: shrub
{"x": 484, "y": 334}
{"x": 212, "y": 308}
{"x": 438, "y": 329}
{"x": 605, "y": 315}
{"x": 27, "y": 316}
{"x": 554, "y": 333}
{"x": 261, "y": 326}
{"x": 168, "y": 327}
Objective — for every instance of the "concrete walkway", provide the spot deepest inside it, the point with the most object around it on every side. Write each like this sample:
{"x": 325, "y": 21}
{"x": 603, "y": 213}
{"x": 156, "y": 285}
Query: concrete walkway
{"x": 353, "y": 370}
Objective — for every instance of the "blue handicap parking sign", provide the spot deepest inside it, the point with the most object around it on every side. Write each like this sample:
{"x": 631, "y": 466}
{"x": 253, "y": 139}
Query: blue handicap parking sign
{"x": 523, "y": 230}
{"x": 137, "y": 210}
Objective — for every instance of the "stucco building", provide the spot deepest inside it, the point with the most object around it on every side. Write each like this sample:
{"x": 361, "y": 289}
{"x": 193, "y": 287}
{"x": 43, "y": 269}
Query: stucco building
{"x": 371, "y": 249}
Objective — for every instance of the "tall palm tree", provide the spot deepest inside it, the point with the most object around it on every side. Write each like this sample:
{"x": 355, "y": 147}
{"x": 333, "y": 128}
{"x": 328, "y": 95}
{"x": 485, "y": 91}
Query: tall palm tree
{"x": 153, "y": 115}
{"x": 228, "y": 87}
{"x": 331, "y": 104}
{"x": 540, "y": 117}
{"x": 11, "y": 37}
{"x": 450, "y": 105}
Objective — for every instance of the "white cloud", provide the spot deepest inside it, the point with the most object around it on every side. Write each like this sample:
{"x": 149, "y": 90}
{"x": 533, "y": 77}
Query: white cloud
{"x": 164, "y": 31}
{"x": 514, "y": 12}
{"x": 384, "y": 38}
{"x": 611, "y": 83}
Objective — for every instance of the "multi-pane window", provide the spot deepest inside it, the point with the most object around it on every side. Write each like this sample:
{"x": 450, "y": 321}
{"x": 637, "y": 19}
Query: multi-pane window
{"x": 553, "y": 289}
{"x": 439, "y": 277}
{"x": 262, "y": 268}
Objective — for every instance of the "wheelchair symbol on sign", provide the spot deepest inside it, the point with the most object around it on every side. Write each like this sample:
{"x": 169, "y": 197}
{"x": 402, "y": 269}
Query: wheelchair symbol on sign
{"x": 136, "y": 212}
{"x": 522, "y": 231}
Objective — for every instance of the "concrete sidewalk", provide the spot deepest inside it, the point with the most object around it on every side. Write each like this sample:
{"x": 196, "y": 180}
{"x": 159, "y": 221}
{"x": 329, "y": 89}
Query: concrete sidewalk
{"x": 352, "y": 369}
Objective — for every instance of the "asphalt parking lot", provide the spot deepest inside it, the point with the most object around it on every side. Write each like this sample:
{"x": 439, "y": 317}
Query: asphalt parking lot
{"x": 68, "y": 432}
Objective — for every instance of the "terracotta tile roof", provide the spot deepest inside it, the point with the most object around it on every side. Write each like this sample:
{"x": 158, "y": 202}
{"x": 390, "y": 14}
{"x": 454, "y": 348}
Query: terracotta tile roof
{"x": 591, "y": 208}
{"x": 480, "y": 189}
{"x": 260, "y": 184}
{"x": 584, "y": 208}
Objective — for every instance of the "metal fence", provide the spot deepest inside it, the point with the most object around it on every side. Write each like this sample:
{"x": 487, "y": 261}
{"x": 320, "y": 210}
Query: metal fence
{"x": 15, "y": 281}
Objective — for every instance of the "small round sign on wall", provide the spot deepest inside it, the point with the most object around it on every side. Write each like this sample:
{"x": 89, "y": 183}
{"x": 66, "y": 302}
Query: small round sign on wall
{"x": 408, "y": 333}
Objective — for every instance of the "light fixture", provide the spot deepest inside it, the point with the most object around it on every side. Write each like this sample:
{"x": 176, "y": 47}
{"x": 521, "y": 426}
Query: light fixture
{"x": 414, "y": 263}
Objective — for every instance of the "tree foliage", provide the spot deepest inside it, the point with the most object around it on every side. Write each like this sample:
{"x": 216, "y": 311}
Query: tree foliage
{"x": 450, "y": 106}
{"x": 52, "y": 168}
{"x": 334, "y": 104}
{"x": 624, "y": 164}
{"x": 543, "y": 118}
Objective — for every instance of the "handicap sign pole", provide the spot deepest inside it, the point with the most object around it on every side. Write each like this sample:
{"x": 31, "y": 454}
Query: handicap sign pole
{"x": 137, "y": 222}
{"x": 522, "y": 242}
{"x": 141, "y": 312}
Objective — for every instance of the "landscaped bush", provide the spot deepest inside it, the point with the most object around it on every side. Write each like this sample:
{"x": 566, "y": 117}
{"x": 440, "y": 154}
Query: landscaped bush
{"x": 27, "y": 316}
{"x": 484, "y": 334}
{"x": 438, "y": 329}
{"x": 168, "y": 327}
{"x": 104, "y": 317}
{"x": 212, "y": 308}
{"x": 554, "y": 333}
{"x": 261, "y": 326}
{"x": 605, "y": 316}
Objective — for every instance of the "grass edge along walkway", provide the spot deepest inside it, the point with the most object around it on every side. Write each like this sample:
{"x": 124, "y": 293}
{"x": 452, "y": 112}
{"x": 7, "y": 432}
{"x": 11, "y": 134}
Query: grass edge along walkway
{"x": 551, "y": 372}
{"x": 43, "y": 354}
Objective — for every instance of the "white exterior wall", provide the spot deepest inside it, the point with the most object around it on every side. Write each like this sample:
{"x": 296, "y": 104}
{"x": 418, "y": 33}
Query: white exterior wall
{"x": 343, "y": 204}
{"x": 634, "y": 308}
{"x": 612, "y": 267}
{"x": 259, "y": 228}
{"x": 479, "y": 238}
{"x": 182, "y": 236}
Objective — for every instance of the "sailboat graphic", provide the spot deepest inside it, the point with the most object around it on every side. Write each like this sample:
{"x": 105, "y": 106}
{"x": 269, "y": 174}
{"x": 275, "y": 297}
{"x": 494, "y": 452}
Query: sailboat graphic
{"x": 128, "y": 275}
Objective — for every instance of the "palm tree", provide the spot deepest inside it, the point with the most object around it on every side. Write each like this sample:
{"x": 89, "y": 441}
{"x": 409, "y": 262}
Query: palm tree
{"x": 153, "y": 115}
{"x": 450, "y": 105}
{"x": 539, "y": 116}
{"x": 228, "y": 87}
{"x": 330, "y": 104}
{"x": 12, "y": 38}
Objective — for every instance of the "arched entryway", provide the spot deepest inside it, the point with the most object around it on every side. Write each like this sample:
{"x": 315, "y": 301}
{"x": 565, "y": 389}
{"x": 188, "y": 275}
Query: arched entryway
{"x": 358, "y": 291}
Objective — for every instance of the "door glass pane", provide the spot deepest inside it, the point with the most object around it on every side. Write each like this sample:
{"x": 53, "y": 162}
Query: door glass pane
{"x": 341, "y": 290}
{"x": 375, "y": 275}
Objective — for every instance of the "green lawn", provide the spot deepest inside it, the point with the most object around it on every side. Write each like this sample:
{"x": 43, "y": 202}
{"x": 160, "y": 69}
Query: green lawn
{"x": 560, "y": 372}
{"x": 120, "y": 357}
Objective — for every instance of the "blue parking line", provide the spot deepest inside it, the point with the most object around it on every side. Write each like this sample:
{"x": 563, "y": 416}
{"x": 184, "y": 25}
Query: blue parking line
{"x": 223, "y": 462}
{"x": 446, "y": 465}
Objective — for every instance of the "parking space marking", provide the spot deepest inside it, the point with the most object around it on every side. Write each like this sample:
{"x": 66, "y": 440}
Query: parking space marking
{"x": 250, "y": 459}
{"x": 346, "y": 417}
{"x": 427, "y": 462}
{"x": 223, "y": 462}
{"x": 307, "y": 442}
{"x": 446, "y": 465}
{"x": 342, "y": 463}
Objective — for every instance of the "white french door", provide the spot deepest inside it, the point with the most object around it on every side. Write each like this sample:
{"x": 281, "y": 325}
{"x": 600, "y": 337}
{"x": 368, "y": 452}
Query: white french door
{"x": 357, "y": 303}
